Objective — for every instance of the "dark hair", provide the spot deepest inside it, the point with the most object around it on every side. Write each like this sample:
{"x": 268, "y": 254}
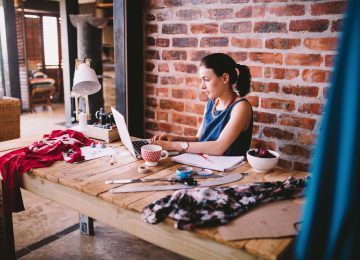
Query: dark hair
{"x": 221, "y": 63}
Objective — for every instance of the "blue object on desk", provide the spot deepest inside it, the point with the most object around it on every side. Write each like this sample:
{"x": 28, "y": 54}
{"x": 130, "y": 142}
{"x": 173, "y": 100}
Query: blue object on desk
{"x": 184, "y": 172}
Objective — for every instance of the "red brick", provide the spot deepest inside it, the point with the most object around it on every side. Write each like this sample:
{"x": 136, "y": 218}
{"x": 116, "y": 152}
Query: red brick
{"x": 234, "y": 1}
{"x": 186, "y": 15}
{"x": 150, "y": 41}
{"x": 162, "y": 42}
{"x": 282, "y": 43}
{"x": 185, "y": 42}
{"x": 203, "y": 96}
{"x": 317, "y": 76}
{"x": 254, "y": 100}
{"x": 151, "y": 28}
{"x": 256, "y": 129}
{"x": 199, "y": 120}
{"x": 150, "y": 17}
{"x": 279, "y": 73}
{"x": 251, "y": 12}
{"x": 267, "y": 72}
{"x": 149, "y": 114}
{"x": 287, "y": 10}
{"x": 170, "y": 128}
{"x": 151, "y": 126}
{"x": 204, "y": 28}
{"x": 219, "y": 14}
{"x": 149, "y": 66}
{"x": 306, "y": 91}
{"x": 174, "y": 55}
{"x": 195, "y": 108}
{"x": 263, "y": 117}
{"x": 184, "y": 93}
{"x": 284, "y": 164}
{"x": 330, "y": 60}
{"x": 198, "y": 55}
{"x": 238, "y": 27}
{"x": 267, "y": 58}
{"x": 257, "y": 143}
{"x": 164, "y": 15}
{"x": 169, "y": 104}
{"x": 274, "y": 103}
{"x": 151, "y": 102}
{"x": 319, "y": 25}
{"x": 303, "y": 59}
{"x": 337, "y": 7}
{"x": 306, "y": 138}
{"x": 273, "y": 132}
{"x": 264, "y": 87}
{"x": 193, "y": 82}
{"x": 336, "y": 25}
{"x": 291, "y": 149}
{"x": 311, "y": 108}
{"x": 152, "y": 54}
{"x": 173, "y": 3}
{"x": 214, "y": 42}
{"x": 255, "y": 71}
{"x": 190, "y": 131}
{"x": 321, "y": 44}
{"x": 246, "y": 43}
{"x": 150, "y": 78}
{"x": 188, "y": 68}
{"x": 163, "y": 67}
{"x": 301, "y": 122}
{"x": 238, "y": 56}
{"x": 177, "y": 28}
{"x": 154, "y": 4}
{"x": 269, "y": 1}
{"x": 202, "y": 2}
{"x": 162, "y": 92}
{"x": 300, "y": 166}
{"x": 184, "y": 119}
{"x": 149, "y": 90}
{"x": 162, "y": 116}
{"x": 268, "y": 27}
{"x": 168, "y": 80}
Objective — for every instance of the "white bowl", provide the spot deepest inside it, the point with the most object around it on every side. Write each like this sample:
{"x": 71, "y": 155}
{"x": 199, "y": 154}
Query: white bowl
{"x": 262, "y": 164}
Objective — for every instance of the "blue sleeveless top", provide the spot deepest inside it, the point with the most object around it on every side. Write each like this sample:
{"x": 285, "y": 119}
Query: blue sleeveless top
{"x": 213, "y": 126}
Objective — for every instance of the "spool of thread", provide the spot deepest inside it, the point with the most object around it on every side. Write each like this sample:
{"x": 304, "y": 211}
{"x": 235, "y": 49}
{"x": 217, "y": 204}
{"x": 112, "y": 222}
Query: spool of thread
{"x": 184, "y": 172}
{"x": 83, "y": 121}
{"x": 143, "y": 169}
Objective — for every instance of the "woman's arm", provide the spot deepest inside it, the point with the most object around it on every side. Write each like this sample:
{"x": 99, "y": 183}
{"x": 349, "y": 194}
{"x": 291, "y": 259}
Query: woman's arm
{"x": 239, "y": 121}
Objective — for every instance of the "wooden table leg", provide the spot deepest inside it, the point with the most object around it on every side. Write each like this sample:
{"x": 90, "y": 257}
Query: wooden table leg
{"x": 7, "y": 245}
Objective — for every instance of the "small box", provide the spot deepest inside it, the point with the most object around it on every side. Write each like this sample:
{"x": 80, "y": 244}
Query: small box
{"x": 107, "y": 135}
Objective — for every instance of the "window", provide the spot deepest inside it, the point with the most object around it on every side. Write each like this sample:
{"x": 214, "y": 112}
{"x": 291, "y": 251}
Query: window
{"x": 50, "y": 36}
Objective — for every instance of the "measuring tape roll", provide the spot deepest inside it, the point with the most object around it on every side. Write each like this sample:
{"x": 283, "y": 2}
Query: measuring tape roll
{"x": 143, "y": 169}
{"x": 184, "y": 172}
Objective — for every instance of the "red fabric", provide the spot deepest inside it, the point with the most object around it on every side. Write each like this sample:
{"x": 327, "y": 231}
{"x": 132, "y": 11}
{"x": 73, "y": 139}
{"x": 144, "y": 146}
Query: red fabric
{"x": 40, "y": 154}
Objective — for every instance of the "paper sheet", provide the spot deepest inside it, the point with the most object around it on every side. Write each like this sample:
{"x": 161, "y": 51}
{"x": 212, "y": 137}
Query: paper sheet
{"x": 218, "y": 163}
{"x": 271, "y": 220}
{"x": 93, "y": 153}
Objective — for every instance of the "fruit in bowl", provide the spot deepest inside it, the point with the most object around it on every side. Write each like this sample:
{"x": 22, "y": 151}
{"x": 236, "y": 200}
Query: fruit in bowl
{"x": 262, "y": 160}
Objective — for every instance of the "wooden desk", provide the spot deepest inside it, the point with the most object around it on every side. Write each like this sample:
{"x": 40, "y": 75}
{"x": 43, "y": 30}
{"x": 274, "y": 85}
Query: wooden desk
{"x": 82, "y": 188}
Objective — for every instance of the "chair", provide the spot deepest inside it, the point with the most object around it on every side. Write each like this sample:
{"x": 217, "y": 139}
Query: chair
{"x": 42, "y": 91}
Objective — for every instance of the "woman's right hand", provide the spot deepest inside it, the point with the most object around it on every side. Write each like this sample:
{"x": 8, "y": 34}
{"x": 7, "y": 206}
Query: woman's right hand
{"x": 164, "y": 137}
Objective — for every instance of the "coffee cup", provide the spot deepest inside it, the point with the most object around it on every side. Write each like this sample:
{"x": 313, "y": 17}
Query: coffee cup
{"x": 152, "y": 154}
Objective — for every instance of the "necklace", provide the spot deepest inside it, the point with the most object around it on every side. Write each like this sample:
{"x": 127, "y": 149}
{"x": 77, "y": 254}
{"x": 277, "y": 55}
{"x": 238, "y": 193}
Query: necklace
{"x": 229, "y": 104}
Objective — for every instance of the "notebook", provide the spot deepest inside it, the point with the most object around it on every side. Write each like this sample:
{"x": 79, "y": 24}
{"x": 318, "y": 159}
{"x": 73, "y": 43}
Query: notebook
{"x": 218, "y": 163}
{"x": 134, "y": 147}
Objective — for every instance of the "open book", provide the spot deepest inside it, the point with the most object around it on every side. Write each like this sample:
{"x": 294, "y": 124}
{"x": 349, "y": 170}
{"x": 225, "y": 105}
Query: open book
{"x": 218, "y": 163}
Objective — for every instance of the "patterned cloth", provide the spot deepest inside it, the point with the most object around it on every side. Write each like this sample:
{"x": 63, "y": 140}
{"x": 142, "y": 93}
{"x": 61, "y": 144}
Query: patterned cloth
{"x": 207, "y": 207}
{"x": 39, "y": 154}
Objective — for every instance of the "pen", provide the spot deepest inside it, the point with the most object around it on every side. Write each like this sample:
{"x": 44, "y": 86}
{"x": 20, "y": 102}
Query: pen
{"x": 204, "y": 156}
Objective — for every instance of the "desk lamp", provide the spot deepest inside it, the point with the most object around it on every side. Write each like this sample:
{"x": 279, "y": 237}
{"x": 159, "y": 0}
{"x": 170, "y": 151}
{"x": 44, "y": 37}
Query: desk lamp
{"x": 85, "y": 83}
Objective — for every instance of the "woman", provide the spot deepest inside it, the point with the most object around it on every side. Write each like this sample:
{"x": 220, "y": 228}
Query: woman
{"x": 227, "y": 124}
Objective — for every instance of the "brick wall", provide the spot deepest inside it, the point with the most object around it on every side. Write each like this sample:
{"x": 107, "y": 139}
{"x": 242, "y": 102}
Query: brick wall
{"x": 289, "y": 46}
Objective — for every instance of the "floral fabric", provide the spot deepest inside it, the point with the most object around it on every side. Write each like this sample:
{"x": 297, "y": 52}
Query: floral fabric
{"x": 207, "y": 207}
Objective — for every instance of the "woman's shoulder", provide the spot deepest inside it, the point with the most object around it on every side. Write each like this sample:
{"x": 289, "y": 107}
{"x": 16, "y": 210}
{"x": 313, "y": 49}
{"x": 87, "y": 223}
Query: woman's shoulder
{"x": 242, "y": 105}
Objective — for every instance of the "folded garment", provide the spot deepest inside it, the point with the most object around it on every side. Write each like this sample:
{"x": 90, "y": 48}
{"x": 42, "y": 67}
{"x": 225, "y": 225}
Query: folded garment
{"x": 40, "y": 154}
{"x": 208, "y": 207}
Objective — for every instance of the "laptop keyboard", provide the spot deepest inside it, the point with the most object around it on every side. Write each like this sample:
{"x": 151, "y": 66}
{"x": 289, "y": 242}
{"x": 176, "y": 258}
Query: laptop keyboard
{"x": 137, "y": 145}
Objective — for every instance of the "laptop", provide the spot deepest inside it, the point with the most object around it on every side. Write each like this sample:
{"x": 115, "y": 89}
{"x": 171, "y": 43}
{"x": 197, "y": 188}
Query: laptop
{"x": 134, "y": 147}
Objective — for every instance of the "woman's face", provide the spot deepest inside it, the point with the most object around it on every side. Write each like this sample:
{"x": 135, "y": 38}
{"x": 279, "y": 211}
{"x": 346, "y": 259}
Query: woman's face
{"x": 213, "y": 85}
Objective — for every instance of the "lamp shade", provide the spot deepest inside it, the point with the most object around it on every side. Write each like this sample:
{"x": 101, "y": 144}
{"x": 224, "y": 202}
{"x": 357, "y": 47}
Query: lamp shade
{"x": 85, "y": 81}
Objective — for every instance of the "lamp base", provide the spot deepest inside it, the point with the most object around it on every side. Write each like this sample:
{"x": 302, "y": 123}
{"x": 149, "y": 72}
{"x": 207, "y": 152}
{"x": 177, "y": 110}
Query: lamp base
{"x": 107, "y": 135}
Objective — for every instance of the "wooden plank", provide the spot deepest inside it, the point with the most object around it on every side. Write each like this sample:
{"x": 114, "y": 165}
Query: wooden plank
{"x": 269, "y": 248}
{"x": 164, "y": 235}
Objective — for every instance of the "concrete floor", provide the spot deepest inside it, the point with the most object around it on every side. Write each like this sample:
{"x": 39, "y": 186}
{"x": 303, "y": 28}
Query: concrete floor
{"x": 46, "y": 230}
